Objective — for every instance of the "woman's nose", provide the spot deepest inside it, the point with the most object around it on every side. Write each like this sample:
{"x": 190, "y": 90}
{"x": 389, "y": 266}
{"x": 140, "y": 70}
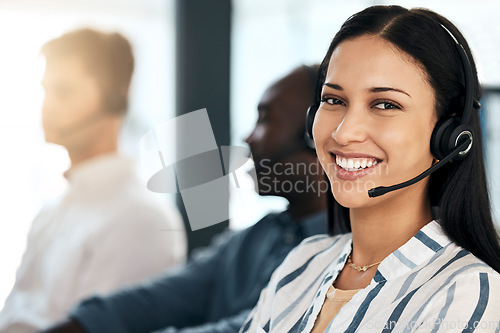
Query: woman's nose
{"x": 352, "y": 127}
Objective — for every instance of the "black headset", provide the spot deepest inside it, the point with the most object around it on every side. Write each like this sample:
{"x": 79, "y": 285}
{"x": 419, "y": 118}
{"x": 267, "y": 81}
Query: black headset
{"x": 448, "y": 133}
{"x": 306, "y": 137}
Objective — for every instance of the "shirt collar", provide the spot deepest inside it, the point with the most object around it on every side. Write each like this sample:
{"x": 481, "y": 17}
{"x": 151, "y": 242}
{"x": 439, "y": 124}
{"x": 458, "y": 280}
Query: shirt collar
{"x": 100, "y": 173}
{"x": 419, "y": 249}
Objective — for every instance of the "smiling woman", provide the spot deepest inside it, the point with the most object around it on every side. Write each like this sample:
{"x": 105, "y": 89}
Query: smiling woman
{"x": 375, "y": 118}
{"x": 399, "y": 93}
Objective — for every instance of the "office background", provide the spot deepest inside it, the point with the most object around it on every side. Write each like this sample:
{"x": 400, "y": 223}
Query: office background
{"x": 218, "y": 54}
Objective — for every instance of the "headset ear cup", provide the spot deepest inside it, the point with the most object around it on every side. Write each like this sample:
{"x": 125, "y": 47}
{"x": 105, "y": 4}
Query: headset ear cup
{"x": 311, "y": 113}
{"x": 445, "y": 137}
{"x": 438, "y": 134}
{"x": 459, "y": 134}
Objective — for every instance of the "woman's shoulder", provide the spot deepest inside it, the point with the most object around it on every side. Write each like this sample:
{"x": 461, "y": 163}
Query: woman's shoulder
{"x": 317, "y": 243}
{"x": 325, "y": 239}
{"x": 468, "y": 274}
{"x": 464, "y": 268}
{"x": 316, "y": 248}
{"x": 463, "y": 290}
{"x": 460, "y": 262}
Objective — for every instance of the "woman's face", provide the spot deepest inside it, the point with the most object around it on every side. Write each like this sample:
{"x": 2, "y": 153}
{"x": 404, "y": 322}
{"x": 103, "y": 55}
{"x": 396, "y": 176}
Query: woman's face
{"x": 375, "y": 121}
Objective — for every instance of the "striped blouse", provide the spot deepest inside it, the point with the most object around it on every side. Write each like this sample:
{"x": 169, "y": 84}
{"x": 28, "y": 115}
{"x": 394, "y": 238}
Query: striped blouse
{"x": 428, "y": 285}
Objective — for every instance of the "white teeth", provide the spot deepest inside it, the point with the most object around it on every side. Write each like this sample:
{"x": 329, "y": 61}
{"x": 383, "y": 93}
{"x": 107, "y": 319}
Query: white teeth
{"x": 355, "y": 164}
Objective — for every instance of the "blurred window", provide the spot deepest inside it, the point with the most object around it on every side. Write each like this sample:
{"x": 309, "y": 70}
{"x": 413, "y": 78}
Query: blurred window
{"x": 31, "y": 171}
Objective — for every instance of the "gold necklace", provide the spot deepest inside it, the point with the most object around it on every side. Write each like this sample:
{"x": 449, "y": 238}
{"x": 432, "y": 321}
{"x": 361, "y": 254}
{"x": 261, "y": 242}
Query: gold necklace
{"x": 359, "y": 268}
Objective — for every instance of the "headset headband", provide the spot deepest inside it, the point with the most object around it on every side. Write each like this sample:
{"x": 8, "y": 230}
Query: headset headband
{"x": 469, "y": 102}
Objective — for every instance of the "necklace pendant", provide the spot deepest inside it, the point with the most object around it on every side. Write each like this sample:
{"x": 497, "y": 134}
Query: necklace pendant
{"x": 359, "y": 269}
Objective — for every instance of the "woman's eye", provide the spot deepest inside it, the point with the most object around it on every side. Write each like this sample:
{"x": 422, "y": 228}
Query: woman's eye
{"x": 387, "y": 106}
{"x": 332, "y": 101}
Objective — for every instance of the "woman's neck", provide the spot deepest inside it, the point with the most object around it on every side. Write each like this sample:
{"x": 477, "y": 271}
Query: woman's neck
{"x": 379, "y": 230}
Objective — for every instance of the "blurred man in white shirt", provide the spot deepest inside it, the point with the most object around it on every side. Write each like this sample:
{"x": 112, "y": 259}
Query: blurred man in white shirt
{"x": 107, "y": 230}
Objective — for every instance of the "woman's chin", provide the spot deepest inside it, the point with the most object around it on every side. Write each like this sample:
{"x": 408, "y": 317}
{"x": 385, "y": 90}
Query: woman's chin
{"x": 353, "y": 199}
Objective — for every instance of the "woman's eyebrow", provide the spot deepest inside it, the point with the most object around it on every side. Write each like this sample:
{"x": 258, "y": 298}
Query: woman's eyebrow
{"x": 372, "y": 90}
{"x": 382, "y": 89}
{"x": 333, "y": 85}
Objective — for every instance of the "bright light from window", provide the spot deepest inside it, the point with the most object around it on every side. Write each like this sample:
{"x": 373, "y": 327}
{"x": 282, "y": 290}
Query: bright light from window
{"x": 31, "y": 171}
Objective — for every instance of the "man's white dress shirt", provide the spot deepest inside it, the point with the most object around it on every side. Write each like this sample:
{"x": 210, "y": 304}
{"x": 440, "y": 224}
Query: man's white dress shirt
{"x": 105, "y": 232}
